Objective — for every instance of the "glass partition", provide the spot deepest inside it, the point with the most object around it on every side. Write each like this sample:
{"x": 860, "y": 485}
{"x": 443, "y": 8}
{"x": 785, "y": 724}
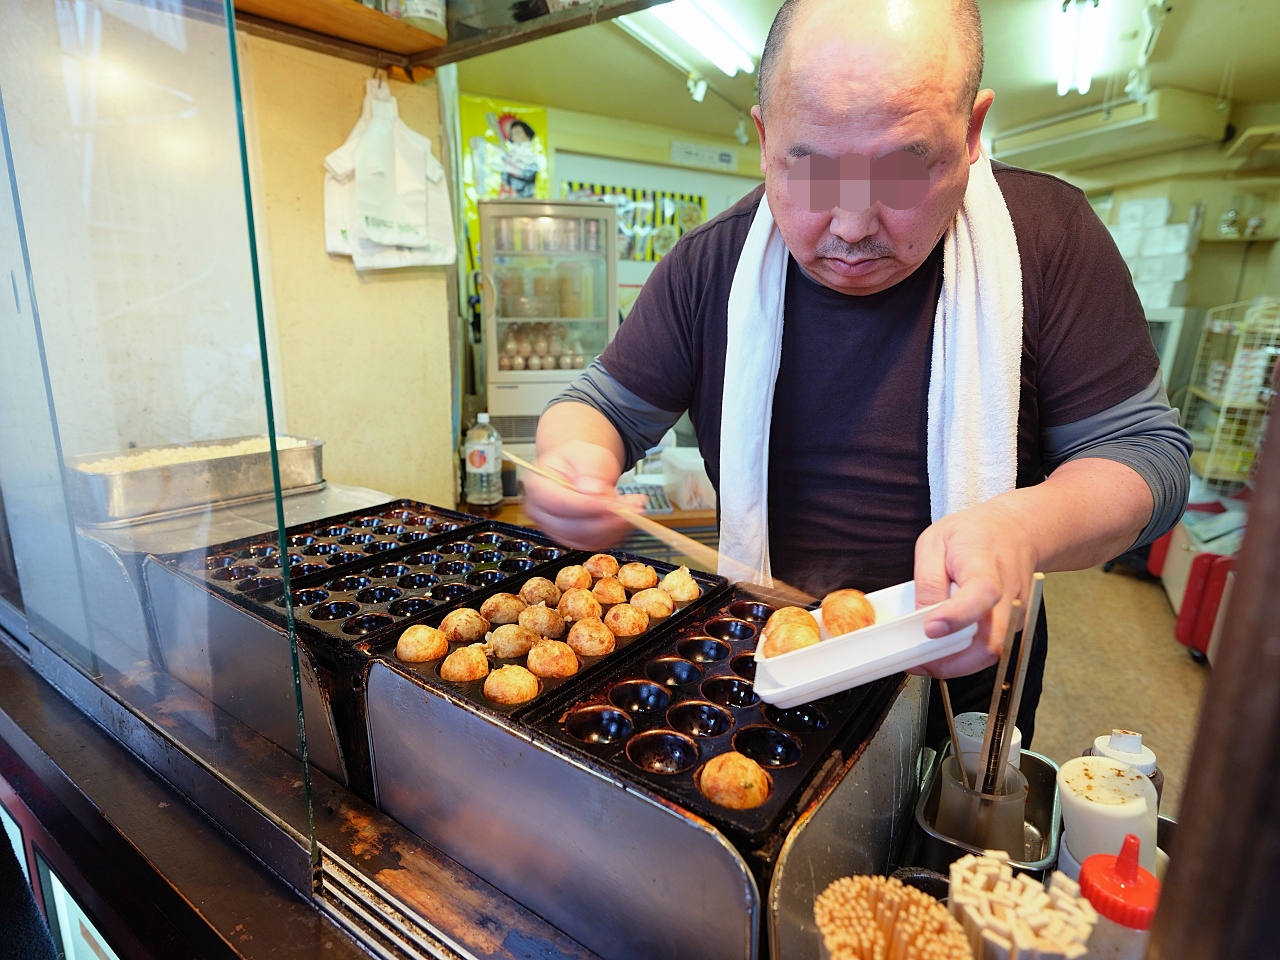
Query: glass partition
{"x": 145, "y": 484}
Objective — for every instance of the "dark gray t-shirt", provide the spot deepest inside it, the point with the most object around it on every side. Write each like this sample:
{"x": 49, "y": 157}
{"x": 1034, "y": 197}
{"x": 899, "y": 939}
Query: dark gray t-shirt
{"x": 848, "y": 480}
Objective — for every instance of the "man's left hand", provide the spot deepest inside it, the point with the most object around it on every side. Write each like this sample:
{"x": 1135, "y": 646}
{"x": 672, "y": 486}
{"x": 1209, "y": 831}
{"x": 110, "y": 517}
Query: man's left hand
{"x": 987, "y": 553}
{"x": 1087, "y": 511}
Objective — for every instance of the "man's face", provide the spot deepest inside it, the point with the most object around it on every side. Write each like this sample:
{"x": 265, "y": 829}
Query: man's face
{"x": 902, "y": 165}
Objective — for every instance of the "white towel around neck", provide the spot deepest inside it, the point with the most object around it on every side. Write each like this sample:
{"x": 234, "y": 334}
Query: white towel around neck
{"x": 974, "y": 380}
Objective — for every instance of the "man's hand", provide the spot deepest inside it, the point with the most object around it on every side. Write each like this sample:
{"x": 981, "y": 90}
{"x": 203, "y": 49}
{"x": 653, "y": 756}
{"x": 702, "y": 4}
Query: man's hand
{"x": 585, "y": 518}
{"x": 1087, "y": 511}
{"x": 578, "y": 443}
{"x": 987, "y": 553}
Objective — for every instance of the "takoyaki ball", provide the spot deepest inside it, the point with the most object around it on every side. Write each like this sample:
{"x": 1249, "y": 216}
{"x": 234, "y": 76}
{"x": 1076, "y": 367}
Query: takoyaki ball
{"x": 680, "y": 586}
{"x": 572, "y": 577}
{"x": 601, "y": 565}
{"x": 421, "y": 643}
{"x": 844, "y": 611}
{"x": 609, "y": 591}
{"x": 464, "y": 626}
{"x": 791, "y": 615}
{"x": 626, "y": 621}
{"x": 544, "y": 621}
{"x": 511, "y": 640}
{"x": 637, "y": 576}
{"x": 734, "y": 781}
{"x": 540, "y": 590}
{"x": 552, "y": 658}
{"x": 502, "y": 608}
{"x": 511, "y": 684}
{"x": 654, "y": 602}
{"x": 465, "y": 663}
{"x": 591, "y": 638}
{"x": 578, "y": 604}
{"x": 787, "y": 636}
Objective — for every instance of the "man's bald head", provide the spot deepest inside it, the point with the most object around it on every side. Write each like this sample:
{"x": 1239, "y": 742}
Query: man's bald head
{"x": 777, "y": 56}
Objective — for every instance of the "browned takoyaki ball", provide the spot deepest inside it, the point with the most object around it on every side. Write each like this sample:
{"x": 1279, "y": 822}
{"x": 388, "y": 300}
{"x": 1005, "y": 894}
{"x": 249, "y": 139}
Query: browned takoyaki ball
{"x": 791, "y": 615}
{"x": 552, "y": 658}
{"x": 601, "y": 565}
{"x": 540, "y": 590}
{"x": 510, "y": 641}
{"x": 654, "y": 602}
{"x": 578, "y": 604}
{"x": 511, "y": 684}
{"x": 591, "y": 638}
{"x": 544, "y": 621}
{"x": 680, "y": 585}
{"x": 637, "y": 576}
{"x": 464, "y": 626}
{"x": 626, "y": 621}
{"x": 787, "y": 636}
{"x": 572, "y": 577}
{"x": 609, "y": 591}
{"x": 734, "y": 781}
{"x": 465, "y": 663}
{"x": 421, "y": 643}
{"x": 502, "y": 608}
{"x": 844, "y": 611}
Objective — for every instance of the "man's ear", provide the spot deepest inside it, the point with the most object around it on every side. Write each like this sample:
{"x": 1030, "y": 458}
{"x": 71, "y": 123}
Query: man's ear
{"x": 758, "y": 117}
{"x": 980, "y": 107}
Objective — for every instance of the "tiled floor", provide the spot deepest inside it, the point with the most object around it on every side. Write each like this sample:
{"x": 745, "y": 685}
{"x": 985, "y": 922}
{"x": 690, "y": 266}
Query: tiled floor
{"x": 1114, "y": 662}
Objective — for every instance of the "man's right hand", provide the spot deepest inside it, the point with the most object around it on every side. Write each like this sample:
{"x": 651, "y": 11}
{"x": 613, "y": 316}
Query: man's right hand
{"x": 583, "y": 517}
{"x": 579, "y": 444}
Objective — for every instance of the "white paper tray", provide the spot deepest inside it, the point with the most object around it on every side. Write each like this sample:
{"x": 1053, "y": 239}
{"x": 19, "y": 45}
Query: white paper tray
{"x": 895, "y": 642}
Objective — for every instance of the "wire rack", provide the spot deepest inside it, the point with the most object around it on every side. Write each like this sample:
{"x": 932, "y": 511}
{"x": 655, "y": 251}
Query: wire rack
{"x": 1233, "y": 385}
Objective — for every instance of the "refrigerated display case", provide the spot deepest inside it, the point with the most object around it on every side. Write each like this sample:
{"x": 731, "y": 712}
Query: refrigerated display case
{"x": 550, "y": 304}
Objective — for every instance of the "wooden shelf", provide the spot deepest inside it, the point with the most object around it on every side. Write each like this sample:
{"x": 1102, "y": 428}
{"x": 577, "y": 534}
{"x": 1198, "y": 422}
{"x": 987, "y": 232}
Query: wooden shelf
{"x": 344, "y": 20}
{"x": 1217, "y": 401}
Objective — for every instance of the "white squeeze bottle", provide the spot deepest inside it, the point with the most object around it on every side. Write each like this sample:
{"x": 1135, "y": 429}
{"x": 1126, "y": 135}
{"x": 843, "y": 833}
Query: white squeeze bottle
{"x": 483, "y": 457}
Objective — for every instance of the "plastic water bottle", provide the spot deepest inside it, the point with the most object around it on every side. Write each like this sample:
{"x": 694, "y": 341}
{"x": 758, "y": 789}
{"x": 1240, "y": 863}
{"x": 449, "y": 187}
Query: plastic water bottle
{"x": 483, "y": 456}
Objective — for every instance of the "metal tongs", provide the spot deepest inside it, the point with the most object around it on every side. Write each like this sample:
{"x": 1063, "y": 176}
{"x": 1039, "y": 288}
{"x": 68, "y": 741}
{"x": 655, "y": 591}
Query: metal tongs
{"x": 1006, "y": 697}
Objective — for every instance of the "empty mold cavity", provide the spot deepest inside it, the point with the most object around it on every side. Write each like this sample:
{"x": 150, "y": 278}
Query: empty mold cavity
{"x": 730, "y": 692}
{"x": 767, "y": 746}
{"x": 661, "y": 752}
{"x": 802, "y": 719}
{"x": 672, "y": 671}
{"x": 750, "y": 610}
{"x": 640, "y": 696}
{"x": 697, "y": 718}
{"x": 730, "y": 629}
{"x": 598, "y": 724}
{"x": 703, "y": 649}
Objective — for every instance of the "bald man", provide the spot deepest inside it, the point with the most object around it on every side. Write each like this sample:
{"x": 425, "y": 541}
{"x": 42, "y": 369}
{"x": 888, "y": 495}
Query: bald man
{"x": 876, "y": 86}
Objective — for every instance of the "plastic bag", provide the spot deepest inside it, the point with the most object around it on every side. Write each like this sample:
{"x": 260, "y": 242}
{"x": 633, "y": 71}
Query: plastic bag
{"x": 386, "y": 198}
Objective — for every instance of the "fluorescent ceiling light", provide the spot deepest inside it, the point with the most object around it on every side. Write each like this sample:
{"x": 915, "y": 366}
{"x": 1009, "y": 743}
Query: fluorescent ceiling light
{"x": 1079, "y": 37}
{"x": 703, "y": 32}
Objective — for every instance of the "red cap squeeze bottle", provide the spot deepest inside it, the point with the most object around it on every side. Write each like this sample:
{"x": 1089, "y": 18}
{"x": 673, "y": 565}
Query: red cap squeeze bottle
{"x": 1125, "y": 896}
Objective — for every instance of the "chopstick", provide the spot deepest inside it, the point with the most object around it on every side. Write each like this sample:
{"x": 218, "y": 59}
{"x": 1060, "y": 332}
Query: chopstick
{"x": 708, "y": 557}
{"x": 1024, "y": 661}
{"x": 990, "y": 773}
{"x": 951, "y": 728}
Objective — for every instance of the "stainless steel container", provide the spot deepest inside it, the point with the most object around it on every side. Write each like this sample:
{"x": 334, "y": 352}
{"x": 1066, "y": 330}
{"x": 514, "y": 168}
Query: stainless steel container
{"x": 149, "y": 492}
{"x": 241, "y": 664}
{"x": 623, "y": 871}
{"x": 1042, "y": 831}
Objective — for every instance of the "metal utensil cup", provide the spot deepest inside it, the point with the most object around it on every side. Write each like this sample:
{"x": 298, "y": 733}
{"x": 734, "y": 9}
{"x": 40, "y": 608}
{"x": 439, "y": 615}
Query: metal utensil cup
{"x": 991, "y": 821}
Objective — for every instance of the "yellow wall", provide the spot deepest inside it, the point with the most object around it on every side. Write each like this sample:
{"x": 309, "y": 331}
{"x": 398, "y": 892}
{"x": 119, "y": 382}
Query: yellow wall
{"x": 365, "y": 359}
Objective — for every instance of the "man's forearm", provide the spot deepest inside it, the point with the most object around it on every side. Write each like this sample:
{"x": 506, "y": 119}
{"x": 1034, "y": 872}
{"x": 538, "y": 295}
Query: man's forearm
{"x": 1088, "y": 511}
{"x": 570, "y": 420}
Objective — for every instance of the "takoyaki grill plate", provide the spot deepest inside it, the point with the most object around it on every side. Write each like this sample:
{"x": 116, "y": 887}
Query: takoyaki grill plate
{"x": 384, "y": 646}
{"x": 242, "y": 569}
{"x": 663, "y": 714}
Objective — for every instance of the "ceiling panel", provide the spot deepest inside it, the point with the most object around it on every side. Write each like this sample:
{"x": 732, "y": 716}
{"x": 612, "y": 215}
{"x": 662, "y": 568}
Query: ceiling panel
{"x": 599, "y": 69}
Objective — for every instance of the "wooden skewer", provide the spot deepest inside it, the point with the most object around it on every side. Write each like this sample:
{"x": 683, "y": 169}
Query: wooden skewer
{"x": 701, "y": 553}
{"x": 951, "y": 728}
